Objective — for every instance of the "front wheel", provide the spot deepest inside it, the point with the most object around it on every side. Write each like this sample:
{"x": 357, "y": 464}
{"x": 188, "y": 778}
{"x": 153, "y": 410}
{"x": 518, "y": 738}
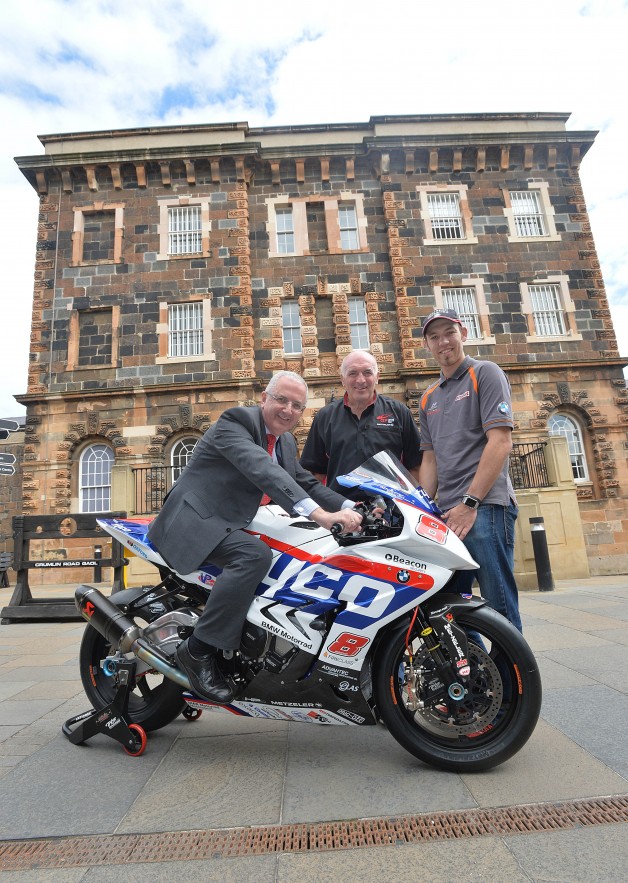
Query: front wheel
{"x": 484, "y": 727}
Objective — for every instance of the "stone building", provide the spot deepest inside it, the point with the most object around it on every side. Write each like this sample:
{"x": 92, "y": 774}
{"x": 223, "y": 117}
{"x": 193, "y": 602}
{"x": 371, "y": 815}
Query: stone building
{"x": 178, "y": 267}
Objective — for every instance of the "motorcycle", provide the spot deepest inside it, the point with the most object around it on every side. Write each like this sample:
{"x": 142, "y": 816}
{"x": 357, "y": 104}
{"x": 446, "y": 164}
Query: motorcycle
{"x": 344, "y": 630}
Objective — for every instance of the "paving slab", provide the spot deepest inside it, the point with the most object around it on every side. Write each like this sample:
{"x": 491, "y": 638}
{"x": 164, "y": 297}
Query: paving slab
{"x": 594, "y": 718}
{"x": 549, "y": 767}
{"x": 361, "y": 772}
{"x": 212, "y": 783}
{"x": 66, "y": 789}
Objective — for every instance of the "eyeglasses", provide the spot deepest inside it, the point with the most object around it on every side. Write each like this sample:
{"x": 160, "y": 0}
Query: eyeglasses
{"x": 283, "y": 401}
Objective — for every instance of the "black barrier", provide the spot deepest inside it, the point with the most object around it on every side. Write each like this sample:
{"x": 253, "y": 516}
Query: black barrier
{"x": 541, "y": 555}
{"x": 23, "y": 607}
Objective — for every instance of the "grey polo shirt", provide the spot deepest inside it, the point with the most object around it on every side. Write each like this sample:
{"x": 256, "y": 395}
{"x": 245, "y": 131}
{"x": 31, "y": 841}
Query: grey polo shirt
{"x": 455, "y": 414}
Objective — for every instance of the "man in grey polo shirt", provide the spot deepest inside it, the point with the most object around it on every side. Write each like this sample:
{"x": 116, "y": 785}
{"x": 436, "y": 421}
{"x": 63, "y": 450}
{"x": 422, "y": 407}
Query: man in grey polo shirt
{"x": 466, "y": 438}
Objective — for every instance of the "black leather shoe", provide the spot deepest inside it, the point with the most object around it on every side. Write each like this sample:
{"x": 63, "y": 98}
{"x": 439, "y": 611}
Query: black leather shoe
{"x": 205, "y": 677}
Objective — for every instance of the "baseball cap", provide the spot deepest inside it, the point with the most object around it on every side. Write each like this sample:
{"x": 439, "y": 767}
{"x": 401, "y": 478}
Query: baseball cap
{"x": 452, "y": 315}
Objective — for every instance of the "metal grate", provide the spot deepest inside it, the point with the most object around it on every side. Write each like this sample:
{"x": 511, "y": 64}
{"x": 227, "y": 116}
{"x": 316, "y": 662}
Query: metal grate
{"x": 119, "y": 849}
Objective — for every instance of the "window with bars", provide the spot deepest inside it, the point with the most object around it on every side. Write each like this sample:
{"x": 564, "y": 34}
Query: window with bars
{"x": 95, "y": 479}
{"x": 358, "y": 322}
{"x": 560, "y": 424}
{"x": 445, "y": 215}
{"x": 528, "y": 213}
{"x": 348, "y": 223}
{"x": 185, "y": 329}
{"x": 463, "y": 301}
{"x": 547, "y": 310}
{"x": 285, "y": 229}
{"x": 184, "y": 230}
{"x": 181, "y": 454}
{"x": 291, "y": 328}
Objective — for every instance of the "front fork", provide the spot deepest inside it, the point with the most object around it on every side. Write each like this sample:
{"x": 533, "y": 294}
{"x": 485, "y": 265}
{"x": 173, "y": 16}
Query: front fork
{"x": 448, "y": 647}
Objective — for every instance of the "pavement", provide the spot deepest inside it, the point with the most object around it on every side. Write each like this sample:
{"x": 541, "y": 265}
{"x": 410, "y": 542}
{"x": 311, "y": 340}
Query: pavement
{"x": 226, "y": 798}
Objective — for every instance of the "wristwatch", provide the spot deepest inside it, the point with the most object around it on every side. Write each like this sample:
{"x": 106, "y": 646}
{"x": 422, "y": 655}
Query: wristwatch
{"x": 471, "y": 502}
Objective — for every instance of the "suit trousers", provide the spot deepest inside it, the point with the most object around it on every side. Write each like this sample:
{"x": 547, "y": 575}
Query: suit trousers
{"x": 245, "y": 561}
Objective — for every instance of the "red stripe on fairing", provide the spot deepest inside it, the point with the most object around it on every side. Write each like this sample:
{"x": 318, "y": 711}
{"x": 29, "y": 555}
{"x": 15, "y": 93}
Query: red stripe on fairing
{"x": 278, "y": 546}
{"x": 385, "y": 572}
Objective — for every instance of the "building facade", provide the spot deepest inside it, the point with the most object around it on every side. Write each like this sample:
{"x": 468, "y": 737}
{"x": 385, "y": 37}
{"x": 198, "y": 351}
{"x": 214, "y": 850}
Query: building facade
{"x": 177, "y": 268}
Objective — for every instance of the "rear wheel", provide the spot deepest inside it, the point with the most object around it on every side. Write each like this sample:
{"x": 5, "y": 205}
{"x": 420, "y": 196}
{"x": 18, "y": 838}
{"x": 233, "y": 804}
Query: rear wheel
{"x": 489, "y": 723}
{"x": 154, "y": 702}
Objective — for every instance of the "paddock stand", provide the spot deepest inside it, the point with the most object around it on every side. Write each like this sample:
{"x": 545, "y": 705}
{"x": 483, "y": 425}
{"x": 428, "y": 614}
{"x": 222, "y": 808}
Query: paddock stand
{"x": 112, "y": 720}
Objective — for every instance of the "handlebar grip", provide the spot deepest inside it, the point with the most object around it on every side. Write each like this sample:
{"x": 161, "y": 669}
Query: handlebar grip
{"x": 336, "y": 529}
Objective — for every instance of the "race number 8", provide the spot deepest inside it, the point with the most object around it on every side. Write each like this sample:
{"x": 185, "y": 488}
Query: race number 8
{"x": 347, "y": 644}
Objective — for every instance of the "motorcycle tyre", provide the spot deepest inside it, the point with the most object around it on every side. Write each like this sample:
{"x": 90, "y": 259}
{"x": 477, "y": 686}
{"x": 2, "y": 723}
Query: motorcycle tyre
{"x": 480, "y": 752}
{"x": 159, "y": 707}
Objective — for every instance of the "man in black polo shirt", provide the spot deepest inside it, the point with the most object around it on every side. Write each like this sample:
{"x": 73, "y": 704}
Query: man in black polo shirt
{"x": 349, "y": 430}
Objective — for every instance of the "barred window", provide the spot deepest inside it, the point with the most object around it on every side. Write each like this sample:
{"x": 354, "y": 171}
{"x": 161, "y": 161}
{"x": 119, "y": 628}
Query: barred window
{"x": 463, "y": 301}
{"x": 184, "y": 230}
{"x": 95, "y": 479}
{"x": 547, "y": 310}
{"x": 181, "y": 454}
{"x": 185, "y": 329}
{"x": 359, "y": 324}
{"x": 348, "y": 223}
{"x": 291, "y": 327}
{"x": 560, "y": 424}
{"x": 285, "y": 229}
{"x": 527, "y": 213}
{"x": 445, "y": 215}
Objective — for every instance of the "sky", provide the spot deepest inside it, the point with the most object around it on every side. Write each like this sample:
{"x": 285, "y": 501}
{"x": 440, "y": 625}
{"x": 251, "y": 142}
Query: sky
{"x": 79, "y": 65}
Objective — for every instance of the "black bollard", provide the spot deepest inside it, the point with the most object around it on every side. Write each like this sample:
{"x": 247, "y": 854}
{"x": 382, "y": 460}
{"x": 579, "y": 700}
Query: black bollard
{"x": 98, "y": 567}
{"x": 541, "y": 555}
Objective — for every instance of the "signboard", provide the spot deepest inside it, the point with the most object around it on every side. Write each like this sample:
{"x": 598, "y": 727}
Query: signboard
{"x": 7, "y": 426}
{"x": 8, "y": 459}
{"x": 7, "y": 470}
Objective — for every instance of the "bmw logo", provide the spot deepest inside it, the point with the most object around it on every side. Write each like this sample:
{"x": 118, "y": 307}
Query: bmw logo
{"x": 403, "y": 576}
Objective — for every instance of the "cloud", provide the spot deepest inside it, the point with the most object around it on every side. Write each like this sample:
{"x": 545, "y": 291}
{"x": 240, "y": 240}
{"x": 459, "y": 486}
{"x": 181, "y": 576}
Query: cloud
{"x": 110, "y": 65}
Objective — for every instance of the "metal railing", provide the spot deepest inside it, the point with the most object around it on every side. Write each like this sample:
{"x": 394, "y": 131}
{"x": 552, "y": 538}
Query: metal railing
{"x": 152, "y": 483}
{"x": 528, "y": 467}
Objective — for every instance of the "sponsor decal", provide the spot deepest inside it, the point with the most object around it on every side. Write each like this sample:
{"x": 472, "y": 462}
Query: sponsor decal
{"x": 112, "y": 723}
{"x": 433, "y": 408}
{"x": 89, "y": 608}
{"x": 347, "y": 644}
{"x": 351, "y": 715}
{"x": 282, "y": 633}
{"x": 139, "y": 550}
{"x": 332, "y": 670}
{"x": 405, "y": 562}
{"x": 385, "y": 420}
{"x": 504, "y": 409}
{"x": 432, "y": 529}
{"x": 403, "y": 576}
{"x": 463, "y": 395}
{"x": 206, "y": 578}
{"x": 346, "y": 687}
{"x": 103, "y": 717}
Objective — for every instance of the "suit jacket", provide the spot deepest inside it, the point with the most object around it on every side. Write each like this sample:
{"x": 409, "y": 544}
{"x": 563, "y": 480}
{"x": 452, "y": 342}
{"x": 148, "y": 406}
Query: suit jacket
{"x": 222, "y": 486}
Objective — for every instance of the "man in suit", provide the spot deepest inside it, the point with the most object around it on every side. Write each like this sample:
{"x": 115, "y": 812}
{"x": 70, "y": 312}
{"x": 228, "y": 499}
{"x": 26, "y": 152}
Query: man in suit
{"x": 205, "y": 517}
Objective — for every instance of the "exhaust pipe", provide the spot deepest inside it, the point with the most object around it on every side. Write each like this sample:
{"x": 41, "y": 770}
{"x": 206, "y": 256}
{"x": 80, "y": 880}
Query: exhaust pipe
{"x": 119, "y": 630}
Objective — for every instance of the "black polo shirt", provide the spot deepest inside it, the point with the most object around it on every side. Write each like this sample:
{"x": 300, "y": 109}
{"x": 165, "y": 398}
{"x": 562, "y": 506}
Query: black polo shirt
{"x": 338, "y": 441}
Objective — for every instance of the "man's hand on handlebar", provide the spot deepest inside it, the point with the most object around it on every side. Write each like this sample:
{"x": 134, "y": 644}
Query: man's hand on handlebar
{"x": 349, "y": 520}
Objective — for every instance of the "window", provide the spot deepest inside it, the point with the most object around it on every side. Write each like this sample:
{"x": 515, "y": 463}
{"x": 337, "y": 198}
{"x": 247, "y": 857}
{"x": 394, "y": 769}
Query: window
{"x": 446, "y": 214}
{"x": 184, "y": 227}
{"x": 184, "y": 230}
{"x": 526, "y": 209}
{"x": 285, "y": 230}
{"x": 95, "y": 479}
{"x": 462, "y": 300}
{"x": 315, "y": 225}
{"x": 549, "y": 318}
{"x": 185, "y": 329}
{"x": 530, "y": 213}
{"x": 560, "y": 424}
{"x": 549, "y": 309}
{"x": 359, "y": 324}
{"x": 444, "y": 209}
{"x": 348, "y": 223}
{"x": 93, "y": 339}
{"x": 291, "y": 326}
{"x": 181, "y": 454}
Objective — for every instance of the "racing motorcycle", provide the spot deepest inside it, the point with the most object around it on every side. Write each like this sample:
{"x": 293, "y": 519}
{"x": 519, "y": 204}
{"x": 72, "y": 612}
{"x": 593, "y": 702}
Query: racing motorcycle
{"x": 344, "y": 630}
